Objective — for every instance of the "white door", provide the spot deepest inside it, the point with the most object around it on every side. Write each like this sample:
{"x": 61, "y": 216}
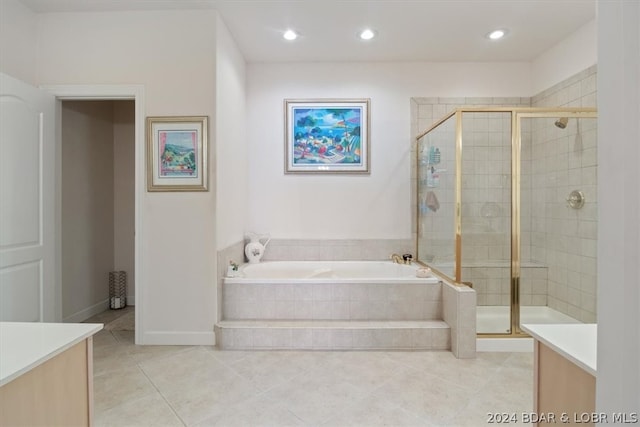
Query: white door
{"x": 27, "y": 197}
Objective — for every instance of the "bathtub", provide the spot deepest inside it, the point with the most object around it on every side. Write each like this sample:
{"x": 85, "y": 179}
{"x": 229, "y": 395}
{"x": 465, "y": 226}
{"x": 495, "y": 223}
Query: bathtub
{"x": 343, "y": 305}
{"x": 308, "y": 272}
{"x": 331, "y": 290}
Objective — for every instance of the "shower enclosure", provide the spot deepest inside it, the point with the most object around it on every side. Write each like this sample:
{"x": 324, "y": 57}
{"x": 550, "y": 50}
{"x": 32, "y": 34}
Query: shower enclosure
{"x": 506, "y": 203}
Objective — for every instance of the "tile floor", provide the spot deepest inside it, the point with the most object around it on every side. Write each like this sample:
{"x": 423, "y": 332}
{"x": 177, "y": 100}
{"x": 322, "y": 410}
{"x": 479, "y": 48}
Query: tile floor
{"x": 204, "y": 386}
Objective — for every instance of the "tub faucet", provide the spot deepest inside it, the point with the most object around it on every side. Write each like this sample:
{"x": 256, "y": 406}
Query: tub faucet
{"x": 402, "y": 259}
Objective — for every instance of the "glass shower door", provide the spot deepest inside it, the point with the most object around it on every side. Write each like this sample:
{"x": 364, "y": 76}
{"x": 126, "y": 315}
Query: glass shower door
{"x": 436, "y": 197}
{"x": 486, "y": 216}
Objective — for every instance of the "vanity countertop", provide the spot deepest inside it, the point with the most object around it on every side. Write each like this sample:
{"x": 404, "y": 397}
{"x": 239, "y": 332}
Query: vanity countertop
{"x": 25, "y": 345}
{"x": 575, "y": 342}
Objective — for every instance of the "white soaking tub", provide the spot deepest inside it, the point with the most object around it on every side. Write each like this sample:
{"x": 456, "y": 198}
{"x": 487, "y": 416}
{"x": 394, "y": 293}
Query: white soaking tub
{"x": 331, "y": 290}
{"x": 329, "y": 272}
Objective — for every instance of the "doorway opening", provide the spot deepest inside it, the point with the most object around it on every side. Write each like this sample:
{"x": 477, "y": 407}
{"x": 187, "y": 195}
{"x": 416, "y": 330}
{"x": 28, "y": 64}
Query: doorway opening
{"x": 97, "y": 208}
{"x": 134, "y": 94}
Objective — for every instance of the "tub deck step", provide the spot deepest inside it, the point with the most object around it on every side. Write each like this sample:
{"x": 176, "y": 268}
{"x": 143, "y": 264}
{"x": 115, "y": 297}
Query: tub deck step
{"x": 332, "y": 335}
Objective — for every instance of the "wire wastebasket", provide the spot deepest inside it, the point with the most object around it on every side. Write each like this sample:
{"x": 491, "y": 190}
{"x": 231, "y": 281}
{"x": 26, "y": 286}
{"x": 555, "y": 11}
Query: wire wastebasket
{"x": 117, "y": 289}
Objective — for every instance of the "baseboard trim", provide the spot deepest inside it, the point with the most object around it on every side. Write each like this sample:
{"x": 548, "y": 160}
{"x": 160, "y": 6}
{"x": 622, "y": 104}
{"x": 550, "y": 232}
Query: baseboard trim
{"x": 88, "y": 312}
{"x": 178, "y": 338}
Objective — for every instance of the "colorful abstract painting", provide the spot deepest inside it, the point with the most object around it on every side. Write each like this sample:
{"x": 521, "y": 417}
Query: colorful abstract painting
{"x": 327, "y": 136}
{"x": 178, "y": 153}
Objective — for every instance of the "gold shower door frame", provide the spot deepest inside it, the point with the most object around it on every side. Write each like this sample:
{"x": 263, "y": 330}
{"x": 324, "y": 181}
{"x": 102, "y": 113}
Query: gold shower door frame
{"x": 517, "y": 114}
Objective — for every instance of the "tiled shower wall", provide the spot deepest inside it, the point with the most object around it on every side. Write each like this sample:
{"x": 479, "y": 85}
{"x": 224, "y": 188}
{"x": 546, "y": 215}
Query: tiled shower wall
{"x": 558, "y": 243}
{"x": 565, "y": 159}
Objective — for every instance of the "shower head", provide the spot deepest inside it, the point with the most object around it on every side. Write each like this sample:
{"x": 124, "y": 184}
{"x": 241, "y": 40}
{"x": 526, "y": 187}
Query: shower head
{"x": 562, "y": 122}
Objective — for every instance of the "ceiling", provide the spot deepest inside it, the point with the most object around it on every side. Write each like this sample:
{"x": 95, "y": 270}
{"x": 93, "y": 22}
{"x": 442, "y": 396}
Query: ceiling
{"x": 408, "y": 30}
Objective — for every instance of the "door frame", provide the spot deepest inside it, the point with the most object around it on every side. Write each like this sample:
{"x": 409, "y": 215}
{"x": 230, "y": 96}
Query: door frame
{"x": 104, "y": 93}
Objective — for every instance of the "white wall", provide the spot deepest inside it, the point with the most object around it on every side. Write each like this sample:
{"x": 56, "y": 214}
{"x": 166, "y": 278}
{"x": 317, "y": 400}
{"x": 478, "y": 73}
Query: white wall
{"x": 18, "y": 41}
{"x": 171, "y": 53}
{"x": 231, "y": 140}
{"x": 570, "y": 56}
{"x": 124, "y": 193}
{"x": 87, "y": 207}
{"x": 618, "y": 384}
{"x": 376, "y": 206}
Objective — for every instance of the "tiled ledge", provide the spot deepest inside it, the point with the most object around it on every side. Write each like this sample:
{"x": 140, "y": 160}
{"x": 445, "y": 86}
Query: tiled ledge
{"x": 333, "y": 335}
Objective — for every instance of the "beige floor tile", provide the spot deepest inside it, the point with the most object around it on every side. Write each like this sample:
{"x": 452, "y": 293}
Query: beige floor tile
{"x": 228, "y": 356}
{"x": 426, "y": 396}
{"x": 471, "y": 374}
{"x": 478, "y": 411}
{"x": 103, "y": 338}
{"x": 206, "y": 398}
{"x": 364, "y": 370}
{"x": 112, "y": 358}
{"x": 203, "y": 386}
{"x": 314, "y": 398}
{"x": 519, "y": 360}
{"x": 376, "y": 411}
{"x": 116, "y": 387}
{"x": 143, "y": 353}
{"x": 148, "y": 411}
{"x": 176, "y": 371}
{"x": 254, "y": 412}
{"x": 269, "y": 369}
{"x": 197, "y": 385}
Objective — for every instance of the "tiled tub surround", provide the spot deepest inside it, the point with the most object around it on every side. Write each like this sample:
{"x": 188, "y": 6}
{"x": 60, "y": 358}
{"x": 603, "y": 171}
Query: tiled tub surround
{"x": 335, "y": 249}
{"x": 323, "y": 314}
{"x": 317, "y": 298}
{"x": 311, "y": 249}
{"x": 235, "y": 254}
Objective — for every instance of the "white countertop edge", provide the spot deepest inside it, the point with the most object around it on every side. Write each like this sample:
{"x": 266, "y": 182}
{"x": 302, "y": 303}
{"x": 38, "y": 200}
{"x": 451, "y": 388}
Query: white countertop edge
{"x": 563, "y": 339}
{"x": 39, "y": 359}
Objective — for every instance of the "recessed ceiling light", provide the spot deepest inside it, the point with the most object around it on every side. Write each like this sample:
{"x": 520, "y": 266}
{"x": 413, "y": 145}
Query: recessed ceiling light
{"x": 290, "y": 35}
{"x": 497, "y": 34}
{"x": 367, "y": 34}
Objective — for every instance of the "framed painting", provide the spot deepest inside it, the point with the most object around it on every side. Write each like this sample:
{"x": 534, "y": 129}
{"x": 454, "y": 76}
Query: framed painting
{"x": 177, "y": 153}
{"x": 327, "y": 136}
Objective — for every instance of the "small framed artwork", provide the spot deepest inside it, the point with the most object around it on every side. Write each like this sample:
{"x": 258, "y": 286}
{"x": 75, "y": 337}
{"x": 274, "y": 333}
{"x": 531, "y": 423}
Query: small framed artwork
{"x": 177, "y": 153}
{"x": 327, "y": 136}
